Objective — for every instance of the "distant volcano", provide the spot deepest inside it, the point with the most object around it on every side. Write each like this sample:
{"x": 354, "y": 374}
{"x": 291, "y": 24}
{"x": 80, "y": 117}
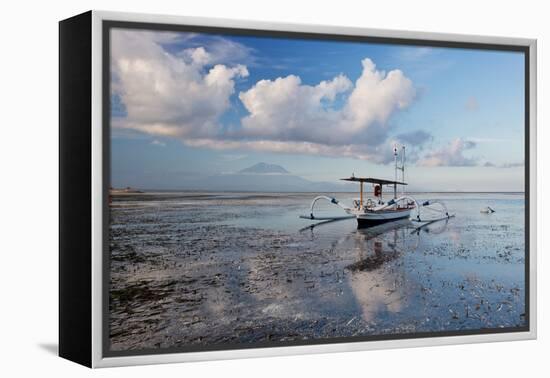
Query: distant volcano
{"x": 264, "y": 177}
{"x": 264, "y": 168}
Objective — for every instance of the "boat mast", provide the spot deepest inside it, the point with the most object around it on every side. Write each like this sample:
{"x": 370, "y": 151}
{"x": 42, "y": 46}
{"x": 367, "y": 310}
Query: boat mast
{"x": 400, "y": 168}
{"x": 403, "y": 171}
{"x": 396, "y": 168}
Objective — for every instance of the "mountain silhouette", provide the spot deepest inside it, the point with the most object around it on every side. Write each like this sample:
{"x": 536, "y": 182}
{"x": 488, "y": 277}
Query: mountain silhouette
{"x": 264, "y": 168}
{"x": 264, "y": 177}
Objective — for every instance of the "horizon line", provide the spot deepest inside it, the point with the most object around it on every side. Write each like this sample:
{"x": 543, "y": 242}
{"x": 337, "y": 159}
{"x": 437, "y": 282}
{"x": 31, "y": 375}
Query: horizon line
{"x": 312, "y": 191}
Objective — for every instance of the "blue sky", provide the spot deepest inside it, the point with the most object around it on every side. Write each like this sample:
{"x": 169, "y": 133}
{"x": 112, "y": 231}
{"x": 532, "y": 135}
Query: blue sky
{"x": 174, "y": 120}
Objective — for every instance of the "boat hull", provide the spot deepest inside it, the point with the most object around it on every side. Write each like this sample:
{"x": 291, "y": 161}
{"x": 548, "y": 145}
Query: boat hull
{"x": 379, "y": 217}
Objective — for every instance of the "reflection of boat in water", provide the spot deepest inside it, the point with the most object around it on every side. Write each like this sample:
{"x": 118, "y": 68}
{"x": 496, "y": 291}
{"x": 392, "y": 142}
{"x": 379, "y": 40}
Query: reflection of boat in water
{"x": 374, "y": 211}
{"x": 378, "y": 279}
{"x": 375, "y": 235}
{"x": 375, "y": 260}
{"x": 376, "y": 263}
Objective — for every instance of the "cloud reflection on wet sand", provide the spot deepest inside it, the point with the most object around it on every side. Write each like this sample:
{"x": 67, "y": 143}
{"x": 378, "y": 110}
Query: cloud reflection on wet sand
{"x": 192, "y": 269}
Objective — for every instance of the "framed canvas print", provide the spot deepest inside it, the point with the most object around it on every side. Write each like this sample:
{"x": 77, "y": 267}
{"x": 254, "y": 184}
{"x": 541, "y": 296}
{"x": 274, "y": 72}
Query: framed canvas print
{"x": 233, "y": 189}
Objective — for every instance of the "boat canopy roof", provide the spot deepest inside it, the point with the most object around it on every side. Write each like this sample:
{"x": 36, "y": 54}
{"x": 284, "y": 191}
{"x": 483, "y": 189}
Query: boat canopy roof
{"x": 373, "y": 180}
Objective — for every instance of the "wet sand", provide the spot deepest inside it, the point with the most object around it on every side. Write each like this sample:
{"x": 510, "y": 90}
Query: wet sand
{"x": 201, "y": 269}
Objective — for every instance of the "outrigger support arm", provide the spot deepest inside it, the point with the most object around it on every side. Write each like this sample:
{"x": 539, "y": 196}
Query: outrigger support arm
{"x": 433, "y": 202}
{"x": 331, "y": 200}
{"x": 417, "y": 204}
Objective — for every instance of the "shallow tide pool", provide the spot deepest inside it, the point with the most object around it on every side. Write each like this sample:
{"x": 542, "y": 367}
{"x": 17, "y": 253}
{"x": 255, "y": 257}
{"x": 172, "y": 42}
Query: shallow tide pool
{"x": 204, "y": 269}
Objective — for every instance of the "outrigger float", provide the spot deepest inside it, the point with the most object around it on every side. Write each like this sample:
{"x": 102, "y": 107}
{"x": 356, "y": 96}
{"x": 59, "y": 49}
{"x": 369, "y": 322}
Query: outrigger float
{"x": 374, "y": 211}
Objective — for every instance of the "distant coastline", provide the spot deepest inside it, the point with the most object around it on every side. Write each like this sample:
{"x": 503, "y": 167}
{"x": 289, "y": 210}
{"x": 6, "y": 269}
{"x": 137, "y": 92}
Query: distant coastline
{"x": 146, "y": 191}
{"x": 127, "y": 190}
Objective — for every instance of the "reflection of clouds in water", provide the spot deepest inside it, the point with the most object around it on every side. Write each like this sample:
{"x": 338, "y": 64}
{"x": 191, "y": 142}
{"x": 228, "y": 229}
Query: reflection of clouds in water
{"x": 218, "y": 303}
{"x": 454, "y": 236}
{"x": 282, "y": 288}
{"x": 265, "y": 289}
{"x": 358, "y": 272}
{"x": 366, "y": 285}
{"x": 377, "y": 289}
{"x": 375, "y": 293}
{"x": 235, "y": 271}
{"x": 243, "y": 289}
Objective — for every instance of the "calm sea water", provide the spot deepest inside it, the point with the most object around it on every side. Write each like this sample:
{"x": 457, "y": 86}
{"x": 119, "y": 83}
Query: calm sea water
{"x": 206, "y": 269}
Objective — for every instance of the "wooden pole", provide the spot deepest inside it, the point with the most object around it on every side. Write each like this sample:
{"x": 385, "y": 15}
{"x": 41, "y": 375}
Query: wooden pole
{"x": 361, "y": 195}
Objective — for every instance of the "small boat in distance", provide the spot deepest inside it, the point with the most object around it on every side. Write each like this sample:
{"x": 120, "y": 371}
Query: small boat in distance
{"x": 372, "y": 211}
{"x": 487, "y": 210}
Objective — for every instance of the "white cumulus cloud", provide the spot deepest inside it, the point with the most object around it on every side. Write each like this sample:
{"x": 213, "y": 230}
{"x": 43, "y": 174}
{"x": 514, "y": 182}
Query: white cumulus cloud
{"x": 183, "y": 93}
{"x": 165, "y": 94}
{"x": 286, "y": 109}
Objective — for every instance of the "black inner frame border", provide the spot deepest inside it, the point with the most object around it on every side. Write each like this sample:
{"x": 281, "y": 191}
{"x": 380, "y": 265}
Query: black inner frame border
{"x": 107, "y": 25}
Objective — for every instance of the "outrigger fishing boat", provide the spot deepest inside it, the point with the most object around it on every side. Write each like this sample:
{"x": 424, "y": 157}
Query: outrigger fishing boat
{"x": 372, "y": 211}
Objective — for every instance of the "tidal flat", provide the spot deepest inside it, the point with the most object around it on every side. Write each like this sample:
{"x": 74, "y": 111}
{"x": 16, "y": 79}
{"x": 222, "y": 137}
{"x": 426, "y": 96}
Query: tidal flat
{"x": 193, "y": 270}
